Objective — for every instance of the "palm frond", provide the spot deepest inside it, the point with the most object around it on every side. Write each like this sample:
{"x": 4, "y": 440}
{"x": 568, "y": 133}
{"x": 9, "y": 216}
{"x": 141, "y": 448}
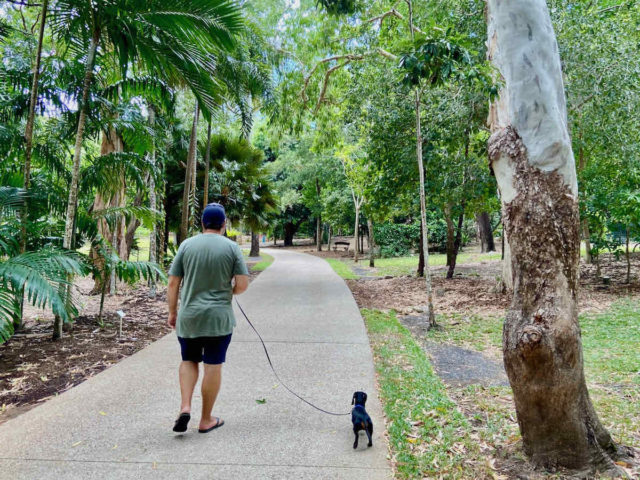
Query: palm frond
{"x": 42, "y": 276}
{"x": 146, "y": 215}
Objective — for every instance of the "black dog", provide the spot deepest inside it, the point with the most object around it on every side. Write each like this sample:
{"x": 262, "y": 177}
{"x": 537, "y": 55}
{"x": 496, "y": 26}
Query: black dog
{"x": 360, "y": 418}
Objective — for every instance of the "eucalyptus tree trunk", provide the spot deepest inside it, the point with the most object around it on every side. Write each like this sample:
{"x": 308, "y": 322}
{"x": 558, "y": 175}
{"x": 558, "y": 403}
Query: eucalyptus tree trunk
{"x": 531, "y": 156}
{"x": 153, "y": 236}
{"x": 207, "y": 161}
{"x": 72, "y": 204}
{"x": 189, "y": 172}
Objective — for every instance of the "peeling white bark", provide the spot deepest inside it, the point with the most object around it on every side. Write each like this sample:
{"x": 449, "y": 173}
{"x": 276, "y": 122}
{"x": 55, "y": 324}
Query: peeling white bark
{"x": 523, "y": 47}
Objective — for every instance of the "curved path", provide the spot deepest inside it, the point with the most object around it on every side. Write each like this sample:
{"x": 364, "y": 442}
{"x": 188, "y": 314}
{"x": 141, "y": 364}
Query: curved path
{"x": 117, "y": 424}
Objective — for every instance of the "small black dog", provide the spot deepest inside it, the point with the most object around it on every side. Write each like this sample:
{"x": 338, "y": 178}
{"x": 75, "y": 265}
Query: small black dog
{"x": 360, "y": 418}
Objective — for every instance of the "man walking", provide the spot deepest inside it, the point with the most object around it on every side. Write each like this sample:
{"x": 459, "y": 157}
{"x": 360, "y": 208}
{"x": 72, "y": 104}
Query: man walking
{"x": 211, "y": 269}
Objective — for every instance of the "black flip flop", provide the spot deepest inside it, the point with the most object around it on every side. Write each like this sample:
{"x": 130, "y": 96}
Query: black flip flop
{"x": 218, "y": 424}
{"x": 181, "y": 423}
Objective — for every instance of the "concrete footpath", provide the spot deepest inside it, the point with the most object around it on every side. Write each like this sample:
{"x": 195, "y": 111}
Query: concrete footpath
{"x": 117, "y": 425}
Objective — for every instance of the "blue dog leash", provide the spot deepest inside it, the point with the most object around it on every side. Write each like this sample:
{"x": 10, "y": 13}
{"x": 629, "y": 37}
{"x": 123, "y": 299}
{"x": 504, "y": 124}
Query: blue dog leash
{"x": 276, "y": 373}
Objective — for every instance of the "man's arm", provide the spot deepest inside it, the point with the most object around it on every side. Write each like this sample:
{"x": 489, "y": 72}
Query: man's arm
{"x": 241, "y": 283}
{"x": 172, "y": 297}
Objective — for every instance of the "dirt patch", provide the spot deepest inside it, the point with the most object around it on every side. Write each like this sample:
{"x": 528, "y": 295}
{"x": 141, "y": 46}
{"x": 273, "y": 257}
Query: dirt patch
{"x": 33, "y": 367}
{"x": 458, "y": 295}
{"x": 474, "y": 289}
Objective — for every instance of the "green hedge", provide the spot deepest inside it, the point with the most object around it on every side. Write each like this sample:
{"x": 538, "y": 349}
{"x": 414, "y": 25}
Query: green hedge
{"x": 396, "y": 240}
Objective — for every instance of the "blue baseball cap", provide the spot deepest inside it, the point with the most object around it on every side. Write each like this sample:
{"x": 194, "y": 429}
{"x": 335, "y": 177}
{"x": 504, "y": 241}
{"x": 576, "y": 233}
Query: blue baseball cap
{"x": 213, "y": 216}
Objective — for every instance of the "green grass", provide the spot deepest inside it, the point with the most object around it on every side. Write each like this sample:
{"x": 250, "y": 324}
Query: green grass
{"x": 428, "y": 435}
{"x": 263, "y": 264}
{"x": 341, "y": 268}
{"x": 611, "y": 359}
{"x": 470, "y": 331}
{"x": 399, "y": 266}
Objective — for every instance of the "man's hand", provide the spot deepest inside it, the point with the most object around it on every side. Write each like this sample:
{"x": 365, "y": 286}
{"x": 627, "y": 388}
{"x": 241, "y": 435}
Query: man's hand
{"x": 173, "y": 317}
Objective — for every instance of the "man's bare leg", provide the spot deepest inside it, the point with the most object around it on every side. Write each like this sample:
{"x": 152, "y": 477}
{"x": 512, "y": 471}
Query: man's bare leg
{"x": 188, "y": 379}
{"x": 210, "y": 388}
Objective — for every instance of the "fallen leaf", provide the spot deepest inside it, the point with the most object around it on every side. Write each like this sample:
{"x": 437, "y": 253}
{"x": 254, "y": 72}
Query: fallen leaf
{"x": 77, "y": 443}
{"x": 102, "y": 413}
{"x": 261, "y": 401}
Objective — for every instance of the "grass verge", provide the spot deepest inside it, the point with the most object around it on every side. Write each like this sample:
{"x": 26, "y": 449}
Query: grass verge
{"x": 341, "y": 268}
{"x": 428, "y": 434}
{"x": 263, "y": 264}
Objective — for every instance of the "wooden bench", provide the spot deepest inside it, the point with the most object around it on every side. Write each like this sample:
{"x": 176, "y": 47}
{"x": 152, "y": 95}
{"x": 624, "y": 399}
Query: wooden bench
{"x": 341, "y": 244}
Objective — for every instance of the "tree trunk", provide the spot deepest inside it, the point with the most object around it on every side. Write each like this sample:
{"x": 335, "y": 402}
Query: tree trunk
{"x": 587, "y": 240}
{"x": 485, "y": 232}
{"x": 628, "y": 257}
{"x": 153, "y": 235}
{"x": 451, "y": 233}
{"x": 329, "y": 238}
{"x": 28, "y": 131}
{"x": 356, "y": 245}
{"x": 207, "y": 161}
{"x": 255, "y": 244}
{"x": 189, "y": 172}
{"x": 420, "y": 271}
{"x": 423, "y": 204}
{"x": 371, "y": 244}
{"x": 530, "y": 153}
{"x": 129, "y": 230}
{"x": 456, "y": 247}
{"x": 111, "y": 142}
{"x": 289, "y": 231}
{"x": 75, "y": 169}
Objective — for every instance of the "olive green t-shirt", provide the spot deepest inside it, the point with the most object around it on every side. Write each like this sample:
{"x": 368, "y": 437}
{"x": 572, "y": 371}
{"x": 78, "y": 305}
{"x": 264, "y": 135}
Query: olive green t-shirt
{"x": 207, "y": 263}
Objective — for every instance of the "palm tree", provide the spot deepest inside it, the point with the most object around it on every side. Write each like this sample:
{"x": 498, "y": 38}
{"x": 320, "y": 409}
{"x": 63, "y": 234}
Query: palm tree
{"x": 174, "y": 39}
{"x": 36, "y": 276}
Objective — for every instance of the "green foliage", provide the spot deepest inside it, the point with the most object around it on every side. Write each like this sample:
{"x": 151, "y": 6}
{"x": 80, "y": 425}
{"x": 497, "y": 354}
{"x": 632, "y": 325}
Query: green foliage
{"x": 416, "y": 404}
{"x": 338, "y": 7}
{"x": 400, "y": 239}
{"x": 397, "y": 240}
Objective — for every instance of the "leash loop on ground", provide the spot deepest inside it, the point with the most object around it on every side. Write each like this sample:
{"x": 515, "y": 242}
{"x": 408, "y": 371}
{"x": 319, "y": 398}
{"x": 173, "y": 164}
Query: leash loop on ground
{"x": 276, "y": 373}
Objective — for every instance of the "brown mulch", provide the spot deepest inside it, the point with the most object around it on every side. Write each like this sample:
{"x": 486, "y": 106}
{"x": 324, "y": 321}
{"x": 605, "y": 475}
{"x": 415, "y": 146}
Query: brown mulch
{"x": 34, "y": 368}
{"x": 479, "y": 293}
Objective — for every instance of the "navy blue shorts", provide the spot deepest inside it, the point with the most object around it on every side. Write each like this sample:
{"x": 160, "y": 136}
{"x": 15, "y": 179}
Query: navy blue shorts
{"x": 210, "y": 350}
